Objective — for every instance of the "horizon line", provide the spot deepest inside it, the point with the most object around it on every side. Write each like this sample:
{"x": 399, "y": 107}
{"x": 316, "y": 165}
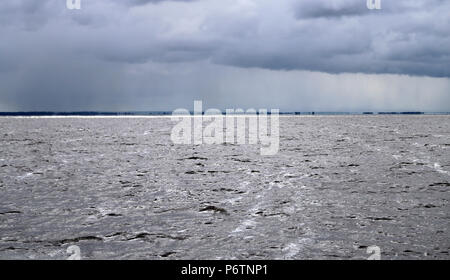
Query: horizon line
{"x": 165, "y": 113}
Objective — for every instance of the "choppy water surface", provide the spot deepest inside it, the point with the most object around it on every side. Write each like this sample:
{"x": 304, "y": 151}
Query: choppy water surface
{"x": 118, "y": 188}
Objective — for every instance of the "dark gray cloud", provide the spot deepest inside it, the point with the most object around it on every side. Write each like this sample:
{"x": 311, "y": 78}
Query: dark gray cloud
{"x": 330, "y": 9}
{"x": 126, "y": 47}
{"x": 405, "y": 37}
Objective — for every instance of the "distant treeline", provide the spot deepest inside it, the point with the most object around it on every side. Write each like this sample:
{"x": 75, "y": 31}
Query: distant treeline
{"x": 84, "y": 113}
{"x": 165, "y": 113}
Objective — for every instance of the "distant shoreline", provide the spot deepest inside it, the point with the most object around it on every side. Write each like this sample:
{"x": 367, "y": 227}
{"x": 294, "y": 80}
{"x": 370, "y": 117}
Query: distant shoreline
{"x": 167, "y": 113}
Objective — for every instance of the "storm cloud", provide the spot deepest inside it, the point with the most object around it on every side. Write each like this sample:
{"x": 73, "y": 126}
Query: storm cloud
{"x": 155, "y": 54}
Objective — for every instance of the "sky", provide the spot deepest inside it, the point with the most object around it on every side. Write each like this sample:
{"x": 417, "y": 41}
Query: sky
{"x": 292, "y": 55}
